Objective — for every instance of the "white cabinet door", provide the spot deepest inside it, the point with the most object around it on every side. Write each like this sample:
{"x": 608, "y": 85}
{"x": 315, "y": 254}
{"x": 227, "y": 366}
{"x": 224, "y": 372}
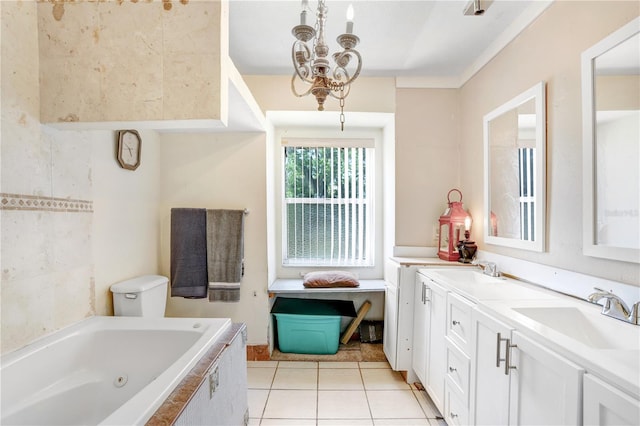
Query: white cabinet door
{"x": 546, "y": 389}
{"x": 420, "y": 328}
{"x": 605, "y": 405}
{"x": 489, "y": 378}
{"x": 389, "y": 341}
{"x": 437, "y": 350}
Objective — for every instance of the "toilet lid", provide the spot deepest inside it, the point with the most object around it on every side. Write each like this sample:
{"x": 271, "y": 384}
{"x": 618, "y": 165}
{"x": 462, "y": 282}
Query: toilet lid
{"x": 138, "y": 284}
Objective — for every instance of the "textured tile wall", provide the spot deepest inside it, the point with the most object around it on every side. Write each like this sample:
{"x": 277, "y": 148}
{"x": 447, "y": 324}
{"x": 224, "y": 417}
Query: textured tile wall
{"x": 117, "y": 61}
{"x": 45, "y": 199}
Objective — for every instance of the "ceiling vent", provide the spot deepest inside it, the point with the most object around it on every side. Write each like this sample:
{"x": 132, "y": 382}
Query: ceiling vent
{"x": 477, "y": 7}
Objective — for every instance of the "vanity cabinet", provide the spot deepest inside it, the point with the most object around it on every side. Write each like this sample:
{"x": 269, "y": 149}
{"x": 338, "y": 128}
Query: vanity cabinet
{"x": 429, "y": 354}
{"x": 459, "y": 334}
{"x": 421, "y": 328}
{"x": 546, "y": 389}
{"x": 605, "y": 405}
{"x": 490, "y": 400}
{"x": 517, "y": 381}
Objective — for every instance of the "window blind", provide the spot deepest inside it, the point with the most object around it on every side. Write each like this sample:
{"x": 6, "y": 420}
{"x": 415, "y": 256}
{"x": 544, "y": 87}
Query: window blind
{"x": 327, "y": 215}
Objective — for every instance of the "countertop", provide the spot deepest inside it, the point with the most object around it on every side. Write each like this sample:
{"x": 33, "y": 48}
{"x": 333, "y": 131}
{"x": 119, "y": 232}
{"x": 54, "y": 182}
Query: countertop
{"x": 574, "y": 328}
{"x": 426, "y": 261}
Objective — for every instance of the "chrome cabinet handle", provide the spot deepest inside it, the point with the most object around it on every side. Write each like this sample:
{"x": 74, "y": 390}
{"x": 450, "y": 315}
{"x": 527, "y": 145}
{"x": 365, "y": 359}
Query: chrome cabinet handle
{"x": 507, "y": 361}
{"x": 498, "y": 358}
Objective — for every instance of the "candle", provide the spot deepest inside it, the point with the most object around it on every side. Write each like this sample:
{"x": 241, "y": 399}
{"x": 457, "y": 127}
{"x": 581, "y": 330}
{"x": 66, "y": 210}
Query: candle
{"x": 303, "y": 14}
{"x": 350, "y": 19}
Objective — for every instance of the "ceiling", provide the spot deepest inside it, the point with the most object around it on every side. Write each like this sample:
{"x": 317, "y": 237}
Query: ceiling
{"x": 416, "y": 40}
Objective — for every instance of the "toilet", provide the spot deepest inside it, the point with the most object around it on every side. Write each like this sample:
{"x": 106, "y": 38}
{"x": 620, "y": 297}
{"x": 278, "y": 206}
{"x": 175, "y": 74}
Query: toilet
{"x": 144, "y": 296}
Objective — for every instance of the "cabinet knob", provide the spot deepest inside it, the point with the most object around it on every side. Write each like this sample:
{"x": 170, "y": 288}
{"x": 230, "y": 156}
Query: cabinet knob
{"x": 454, "y": 322}
{"x": 452, "y": 369}
{"x": 453, "y": 415}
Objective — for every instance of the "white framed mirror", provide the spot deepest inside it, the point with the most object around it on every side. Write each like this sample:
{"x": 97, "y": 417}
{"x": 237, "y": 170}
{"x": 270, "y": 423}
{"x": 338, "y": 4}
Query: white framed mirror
{"x": 611, "y": 145}
{"x": 515, "y": 172}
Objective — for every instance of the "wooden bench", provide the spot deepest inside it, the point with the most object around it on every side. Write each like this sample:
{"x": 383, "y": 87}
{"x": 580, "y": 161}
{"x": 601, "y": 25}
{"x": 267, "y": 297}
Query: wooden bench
{"x": 371, "y": 290}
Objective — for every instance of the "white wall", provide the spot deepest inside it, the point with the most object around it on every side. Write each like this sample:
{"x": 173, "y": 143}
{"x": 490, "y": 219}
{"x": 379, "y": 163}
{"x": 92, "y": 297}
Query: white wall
{"x": 126, "y": 224}
{"x": 220, "y": 171}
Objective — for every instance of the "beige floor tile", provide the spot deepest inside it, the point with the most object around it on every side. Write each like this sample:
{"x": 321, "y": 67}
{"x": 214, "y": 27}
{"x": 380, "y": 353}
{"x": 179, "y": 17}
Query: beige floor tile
{"x": 291, "y": 404}
{"x": 345, "y": 422}
{"x": 394, "y": 404}
{"x": 253, "y": 422}
{"x": 288, "y": 422}
{"x": 297, "y": 364}
{"x": 338, "y": 364}
{"x": 401, "y": 422}
{"x": 257, "y": 401}
{"x": 343, "y": 405}
{"x": 260, "y": 378}
{"x": 295, "y": 378}
{"x": 427, "y": 404}
{"x": 262, "y": 364}
{"x": 383, "y": 379}
{"x": 340, "y": 379}
{"x": 374, "y": 364}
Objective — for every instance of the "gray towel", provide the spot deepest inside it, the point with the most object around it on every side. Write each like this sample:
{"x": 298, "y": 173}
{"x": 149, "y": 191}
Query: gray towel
{"x": 225, "y": 254}
{"x": 188, "y": 253}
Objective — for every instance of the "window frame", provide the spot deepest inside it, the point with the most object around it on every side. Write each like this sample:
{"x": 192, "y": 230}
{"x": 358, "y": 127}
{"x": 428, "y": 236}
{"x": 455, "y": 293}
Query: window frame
{"x": 293, "y": 271}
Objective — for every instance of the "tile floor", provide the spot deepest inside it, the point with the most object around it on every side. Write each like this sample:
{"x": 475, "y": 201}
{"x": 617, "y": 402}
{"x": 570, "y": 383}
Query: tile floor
{"x": 305, "y": 393}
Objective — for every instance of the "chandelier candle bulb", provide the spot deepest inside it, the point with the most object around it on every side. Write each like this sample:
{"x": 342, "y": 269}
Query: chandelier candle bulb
{"x": 350, "y": 19}
{"x": 303, "y": 14}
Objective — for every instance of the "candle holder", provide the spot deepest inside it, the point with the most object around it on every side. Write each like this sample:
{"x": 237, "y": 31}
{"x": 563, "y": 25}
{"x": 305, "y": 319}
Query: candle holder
{"x": 467, "y": 249}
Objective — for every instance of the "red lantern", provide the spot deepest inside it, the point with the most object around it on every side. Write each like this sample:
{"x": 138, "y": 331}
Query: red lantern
{"x": 452, "y": 228}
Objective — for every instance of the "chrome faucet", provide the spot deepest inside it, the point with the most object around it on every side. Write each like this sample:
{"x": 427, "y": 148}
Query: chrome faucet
{"x": 615, "y": 307}
{"x": 488, "y": 268}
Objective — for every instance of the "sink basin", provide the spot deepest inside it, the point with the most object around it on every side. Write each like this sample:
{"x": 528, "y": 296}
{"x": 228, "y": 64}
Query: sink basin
{"x": 468, "y": 276}
{"x": 589, "y": 328}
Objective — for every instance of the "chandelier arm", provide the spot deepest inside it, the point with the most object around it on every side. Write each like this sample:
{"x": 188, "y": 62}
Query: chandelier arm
{"x": 343, "y": 58}
{"x": 301, "y": 66}
{"x": 293, "y": 87}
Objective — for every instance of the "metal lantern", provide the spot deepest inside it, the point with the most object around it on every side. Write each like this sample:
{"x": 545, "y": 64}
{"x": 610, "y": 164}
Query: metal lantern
{"x": 452, "y": 228}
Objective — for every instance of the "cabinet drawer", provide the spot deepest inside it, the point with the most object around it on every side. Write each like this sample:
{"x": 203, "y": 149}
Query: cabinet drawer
{"x": 455, "y": 409}
{"x": 459, "y": 322}
{"x": 458, "y": 367}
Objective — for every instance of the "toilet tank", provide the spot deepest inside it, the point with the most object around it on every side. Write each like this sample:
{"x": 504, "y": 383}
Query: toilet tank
{"x": 144, "y": 296}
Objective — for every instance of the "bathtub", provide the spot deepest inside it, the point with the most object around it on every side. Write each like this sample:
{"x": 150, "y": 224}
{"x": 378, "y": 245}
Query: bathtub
{"x": 103, "y": 370}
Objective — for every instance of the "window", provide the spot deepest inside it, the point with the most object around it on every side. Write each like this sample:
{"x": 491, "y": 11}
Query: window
{"x": 328, "y": 207}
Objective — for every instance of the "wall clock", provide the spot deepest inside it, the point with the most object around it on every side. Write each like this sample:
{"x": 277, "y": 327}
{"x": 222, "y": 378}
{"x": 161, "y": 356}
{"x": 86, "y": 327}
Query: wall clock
{"x": 129, "y": 147}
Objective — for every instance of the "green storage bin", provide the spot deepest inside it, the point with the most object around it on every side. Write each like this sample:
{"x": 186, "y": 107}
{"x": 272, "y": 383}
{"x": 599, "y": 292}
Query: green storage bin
{"x": 310, "y": 326}
{"x": 308, "y": 334}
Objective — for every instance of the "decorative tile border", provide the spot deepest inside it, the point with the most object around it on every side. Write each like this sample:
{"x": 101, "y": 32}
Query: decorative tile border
{"x": 50, "y": 204}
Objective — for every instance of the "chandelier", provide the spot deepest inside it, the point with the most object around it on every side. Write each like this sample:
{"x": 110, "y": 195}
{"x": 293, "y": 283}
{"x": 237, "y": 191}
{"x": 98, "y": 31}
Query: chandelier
{"x": 311, "y": 65}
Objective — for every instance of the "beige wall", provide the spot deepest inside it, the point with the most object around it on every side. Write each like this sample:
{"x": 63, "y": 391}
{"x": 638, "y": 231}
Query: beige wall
{"x": 548, "y": 50}
{"x": 427, "y": 161}
{"x": 219, "y": 171}
{"x": 57, "y": 264}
